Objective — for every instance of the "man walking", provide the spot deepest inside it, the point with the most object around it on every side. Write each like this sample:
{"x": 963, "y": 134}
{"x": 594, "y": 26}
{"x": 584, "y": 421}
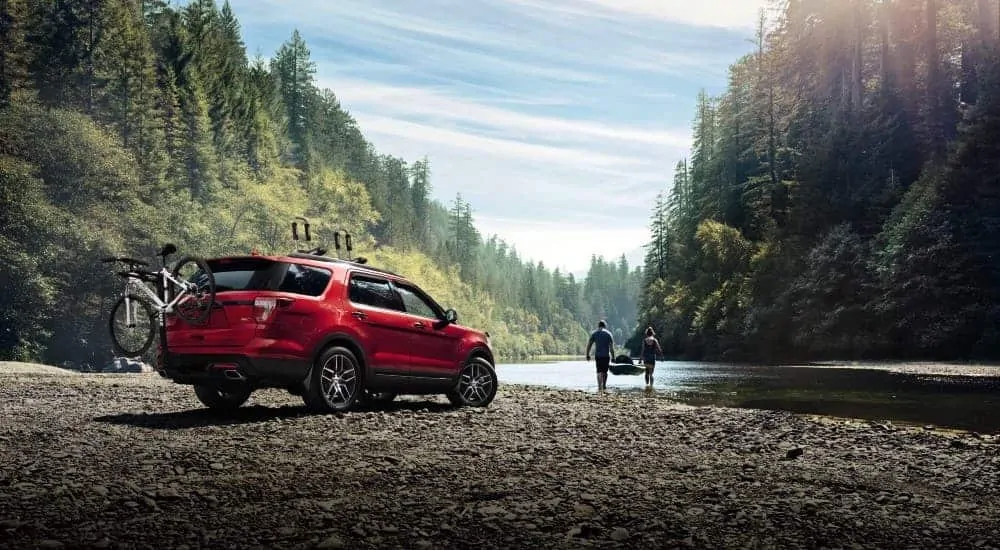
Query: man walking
{"x": 603, "y": 343}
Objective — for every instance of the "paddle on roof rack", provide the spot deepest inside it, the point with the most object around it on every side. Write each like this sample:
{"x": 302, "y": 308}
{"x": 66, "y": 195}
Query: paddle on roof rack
{"x": 321, "y": 251}
{"x": 348, "y": 245}
{"x": 295, "y": 237}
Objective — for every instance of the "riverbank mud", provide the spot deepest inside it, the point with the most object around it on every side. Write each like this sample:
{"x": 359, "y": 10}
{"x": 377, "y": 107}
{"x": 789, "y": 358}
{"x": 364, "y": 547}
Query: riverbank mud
{"x": 133, "y": 461}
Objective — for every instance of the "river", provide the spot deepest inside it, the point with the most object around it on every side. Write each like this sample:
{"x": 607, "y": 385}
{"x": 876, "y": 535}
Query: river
{"x": 918, "y": 396}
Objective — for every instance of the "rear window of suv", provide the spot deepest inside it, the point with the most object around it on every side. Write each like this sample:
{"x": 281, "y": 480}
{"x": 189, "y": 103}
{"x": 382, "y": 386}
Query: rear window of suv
{"x": 232, "y": 274}
{"x": 305, "y": 279}
{"x": 242, "y": 273}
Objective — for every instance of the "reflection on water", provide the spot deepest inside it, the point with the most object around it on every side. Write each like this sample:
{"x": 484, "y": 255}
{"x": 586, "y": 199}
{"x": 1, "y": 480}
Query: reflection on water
{"x": 971, "y": 403}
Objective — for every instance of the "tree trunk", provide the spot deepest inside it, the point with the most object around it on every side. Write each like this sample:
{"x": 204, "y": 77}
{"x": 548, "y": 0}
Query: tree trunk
{"x": 90, "y": 59}
{"x": 857, "y": 60}
{"x": 884, "y": 69}
{"x": 933, "y": 90}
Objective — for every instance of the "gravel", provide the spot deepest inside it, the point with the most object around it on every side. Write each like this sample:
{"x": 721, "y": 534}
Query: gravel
{"x": 929, "y": 369}
{"x": 134, "y": 461}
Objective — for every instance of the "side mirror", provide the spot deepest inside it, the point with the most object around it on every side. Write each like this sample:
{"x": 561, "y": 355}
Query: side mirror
{"x": 451, "y": 316}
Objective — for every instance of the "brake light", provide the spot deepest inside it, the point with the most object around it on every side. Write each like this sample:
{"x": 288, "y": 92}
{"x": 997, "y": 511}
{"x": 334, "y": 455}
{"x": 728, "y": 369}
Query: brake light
{"x": 262, "y": 308}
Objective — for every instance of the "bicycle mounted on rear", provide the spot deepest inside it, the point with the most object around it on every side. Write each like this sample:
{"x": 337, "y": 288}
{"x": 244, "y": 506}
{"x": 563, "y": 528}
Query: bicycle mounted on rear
{"x": 132, "y": 318}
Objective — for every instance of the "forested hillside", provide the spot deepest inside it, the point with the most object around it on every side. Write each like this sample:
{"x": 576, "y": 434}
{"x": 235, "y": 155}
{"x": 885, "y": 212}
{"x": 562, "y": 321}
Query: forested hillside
{"x": 842, "y": 199}
{"x": 128, "y": 123}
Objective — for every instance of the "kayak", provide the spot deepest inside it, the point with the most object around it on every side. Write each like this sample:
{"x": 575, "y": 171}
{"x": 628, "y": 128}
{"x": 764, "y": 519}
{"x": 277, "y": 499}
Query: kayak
{"x": 626, "y": 369}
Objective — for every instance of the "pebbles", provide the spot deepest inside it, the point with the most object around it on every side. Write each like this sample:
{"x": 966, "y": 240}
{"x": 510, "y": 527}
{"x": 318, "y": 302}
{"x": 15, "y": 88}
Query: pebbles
{"x": 133, "y": 460}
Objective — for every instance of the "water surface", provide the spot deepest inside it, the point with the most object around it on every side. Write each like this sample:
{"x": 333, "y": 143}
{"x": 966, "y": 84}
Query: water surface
{"x": 964, "y": 402}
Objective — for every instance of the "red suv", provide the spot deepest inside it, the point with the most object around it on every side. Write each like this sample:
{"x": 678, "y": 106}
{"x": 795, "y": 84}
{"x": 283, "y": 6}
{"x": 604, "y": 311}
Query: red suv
{"x": 334, "y": 331}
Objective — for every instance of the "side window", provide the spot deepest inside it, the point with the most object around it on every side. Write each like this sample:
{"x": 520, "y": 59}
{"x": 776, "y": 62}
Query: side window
{"x": 373, "y": 292}
{"x": 415, "y": 303}
{"x": 303, "y": 279}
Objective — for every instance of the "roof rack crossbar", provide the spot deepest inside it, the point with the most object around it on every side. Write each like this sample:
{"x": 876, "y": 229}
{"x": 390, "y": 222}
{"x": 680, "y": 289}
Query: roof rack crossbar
{"x": 328, "y": 259}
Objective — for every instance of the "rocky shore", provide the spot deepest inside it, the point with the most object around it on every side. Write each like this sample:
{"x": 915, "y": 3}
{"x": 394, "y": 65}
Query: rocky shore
{"x": 132, "y": 461}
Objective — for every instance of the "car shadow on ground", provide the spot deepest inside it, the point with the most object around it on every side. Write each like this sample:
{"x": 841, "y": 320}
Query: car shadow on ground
{"x": 202, "y": 417}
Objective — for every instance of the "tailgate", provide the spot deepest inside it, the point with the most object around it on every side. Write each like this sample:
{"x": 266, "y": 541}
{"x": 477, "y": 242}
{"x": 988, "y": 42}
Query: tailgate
{"x": 238, "y": 281}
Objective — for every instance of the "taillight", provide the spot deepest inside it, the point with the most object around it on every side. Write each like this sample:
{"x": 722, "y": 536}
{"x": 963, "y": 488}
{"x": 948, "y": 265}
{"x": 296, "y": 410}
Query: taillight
{"x": 262, "y": 308}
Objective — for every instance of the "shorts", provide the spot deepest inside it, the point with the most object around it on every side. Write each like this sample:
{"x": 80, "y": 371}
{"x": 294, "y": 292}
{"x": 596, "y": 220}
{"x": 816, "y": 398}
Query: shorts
{"x": 649, "y": 362}
{"x": 603, "y": 363}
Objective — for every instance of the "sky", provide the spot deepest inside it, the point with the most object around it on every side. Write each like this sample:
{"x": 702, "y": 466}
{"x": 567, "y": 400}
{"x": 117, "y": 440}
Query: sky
{"x": 558, "y": 120}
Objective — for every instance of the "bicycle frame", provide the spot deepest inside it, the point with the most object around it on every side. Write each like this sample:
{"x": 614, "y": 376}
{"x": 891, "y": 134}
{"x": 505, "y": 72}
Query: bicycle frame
{"x": 162, "y": 308}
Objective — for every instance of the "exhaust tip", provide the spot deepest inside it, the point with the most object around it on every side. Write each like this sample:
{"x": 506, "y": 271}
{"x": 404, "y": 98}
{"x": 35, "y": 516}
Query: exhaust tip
{"x": 229, "y": 370}
{"x": 234, "y": 374}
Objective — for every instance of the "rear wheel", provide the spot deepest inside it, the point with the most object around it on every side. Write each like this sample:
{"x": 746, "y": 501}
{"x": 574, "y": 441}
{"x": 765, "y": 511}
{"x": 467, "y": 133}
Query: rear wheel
{"x": 334, "y": 383}
{"x": 196, "y": 305}
{"x": 132, "y": 326}
{"x": 218, "y": 399}
{"x": 477, "y": 385}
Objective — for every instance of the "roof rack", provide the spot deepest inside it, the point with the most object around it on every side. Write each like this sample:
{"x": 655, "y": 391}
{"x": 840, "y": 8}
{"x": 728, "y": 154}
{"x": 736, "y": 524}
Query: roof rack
{"x": 318, "y": 254}
{"x": 328, "y": 259}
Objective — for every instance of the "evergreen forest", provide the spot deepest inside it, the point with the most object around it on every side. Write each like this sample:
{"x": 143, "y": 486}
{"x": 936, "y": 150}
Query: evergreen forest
{"x": 842, "y": 196}
{"x": 841, "y": 199}
{"x": 125, "y": 124}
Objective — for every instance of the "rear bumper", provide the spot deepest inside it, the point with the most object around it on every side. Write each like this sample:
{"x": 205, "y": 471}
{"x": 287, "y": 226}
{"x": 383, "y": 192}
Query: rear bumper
{"x": 231, "y": 368}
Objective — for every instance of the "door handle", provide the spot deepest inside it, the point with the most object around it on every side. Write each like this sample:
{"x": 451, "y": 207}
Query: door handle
{"x": 359, "y": 314}
{"x": 418, "y": 324}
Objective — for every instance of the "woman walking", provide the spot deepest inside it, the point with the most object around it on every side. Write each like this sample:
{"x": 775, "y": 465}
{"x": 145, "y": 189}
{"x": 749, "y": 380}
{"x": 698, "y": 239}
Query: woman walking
{"x": 650, "y": 349}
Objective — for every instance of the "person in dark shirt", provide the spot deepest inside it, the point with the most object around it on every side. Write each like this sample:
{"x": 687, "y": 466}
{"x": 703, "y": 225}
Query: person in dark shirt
{"x": 650, "y": 349}
{"x": 603, "y": 343}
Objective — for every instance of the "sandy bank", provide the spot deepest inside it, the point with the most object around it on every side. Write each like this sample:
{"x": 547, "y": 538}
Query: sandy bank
{"x": 16, "y": 367}
{"x": 134, "y": 461}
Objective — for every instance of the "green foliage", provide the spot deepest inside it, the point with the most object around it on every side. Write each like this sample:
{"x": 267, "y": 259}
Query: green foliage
{"x": 125, "y": 125}
{"x": 836, "y": 204}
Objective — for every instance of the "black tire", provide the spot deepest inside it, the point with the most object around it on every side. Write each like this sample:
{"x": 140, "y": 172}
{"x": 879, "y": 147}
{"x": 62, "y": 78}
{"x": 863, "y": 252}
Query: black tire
{"x": 336, "y": 367}
{"x": 137, "y": 340}
{"x": 218, "y": 399}
{"x": 194, "y": 308}
{"x": 476, "y": 385}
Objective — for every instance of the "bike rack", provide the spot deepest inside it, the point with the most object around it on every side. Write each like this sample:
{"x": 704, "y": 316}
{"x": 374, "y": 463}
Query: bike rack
{"x": 320, "y": 251}
{"x": 167, "y": 250}
{"x": 295, "y": 232}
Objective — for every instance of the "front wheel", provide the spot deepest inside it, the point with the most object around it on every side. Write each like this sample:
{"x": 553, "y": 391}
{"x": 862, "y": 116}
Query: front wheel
{"x": 477, "y": 385}
{"x": 196, "y": 305}
{"x": 334, "y": 383}
{"x": 221, "y": 400}
{"x": 132, "y": 325}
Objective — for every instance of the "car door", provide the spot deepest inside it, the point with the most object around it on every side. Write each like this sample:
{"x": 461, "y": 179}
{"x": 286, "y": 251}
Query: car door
{"x": 385, "y": 329}
{"x": 299, "y": 316}
{"x": 435, "y": 348}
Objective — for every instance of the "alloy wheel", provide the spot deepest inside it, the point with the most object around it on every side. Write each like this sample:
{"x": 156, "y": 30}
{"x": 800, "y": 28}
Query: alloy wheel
{"x": 338, "y": 381}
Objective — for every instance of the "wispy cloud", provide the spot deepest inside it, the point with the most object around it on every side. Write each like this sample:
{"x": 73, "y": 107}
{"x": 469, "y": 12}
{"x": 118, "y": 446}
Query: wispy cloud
{"x": 559, "y": 121}
{"x": 706, "y": 13}
{"x": 507, "y": 147}
{"x": 441, "y": 105}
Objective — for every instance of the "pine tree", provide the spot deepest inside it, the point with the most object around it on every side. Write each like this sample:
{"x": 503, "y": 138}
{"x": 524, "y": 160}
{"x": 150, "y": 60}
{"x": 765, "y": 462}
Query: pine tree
{"x": 421, "y": 191}
{"x": 13, "y": 54}
{"x": 294, "y": 72}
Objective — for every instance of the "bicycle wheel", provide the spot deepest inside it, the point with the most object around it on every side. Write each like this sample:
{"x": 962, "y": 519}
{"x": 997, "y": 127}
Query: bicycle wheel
{"x": 132, "y": 339}
{"x": 196, "y": 306}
